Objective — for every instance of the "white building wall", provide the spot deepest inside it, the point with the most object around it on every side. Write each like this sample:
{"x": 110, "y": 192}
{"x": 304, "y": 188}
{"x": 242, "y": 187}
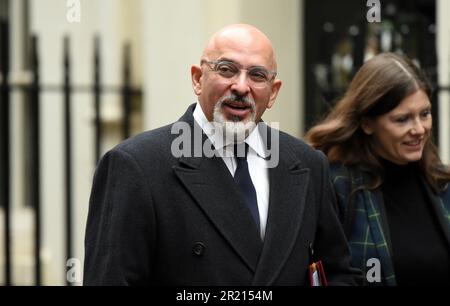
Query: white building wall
{"x": 443, "y": 52}
{"x": 112, "y": 22}
{"x": 20, "y": 218}
{"x": 49, "y": 23}
{"x": 281, "y": 21}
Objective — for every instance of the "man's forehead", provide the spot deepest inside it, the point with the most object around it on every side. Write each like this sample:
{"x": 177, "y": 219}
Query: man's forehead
{"x": 238, "y": 49}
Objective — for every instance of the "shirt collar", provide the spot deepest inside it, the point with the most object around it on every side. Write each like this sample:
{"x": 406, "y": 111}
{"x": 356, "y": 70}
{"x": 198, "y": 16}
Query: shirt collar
{"x": 253, "y": 140}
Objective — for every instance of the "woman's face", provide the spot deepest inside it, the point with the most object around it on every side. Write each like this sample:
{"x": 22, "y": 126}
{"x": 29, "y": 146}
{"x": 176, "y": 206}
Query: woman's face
{"x": 400, "y": 135}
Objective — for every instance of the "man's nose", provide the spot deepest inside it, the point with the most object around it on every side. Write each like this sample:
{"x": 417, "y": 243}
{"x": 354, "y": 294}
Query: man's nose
{"x": 240, "y": 85}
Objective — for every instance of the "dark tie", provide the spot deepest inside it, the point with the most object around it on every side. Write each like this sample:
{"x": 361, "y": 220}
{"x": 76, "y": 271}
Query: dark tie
{"x": 244, "y": 182}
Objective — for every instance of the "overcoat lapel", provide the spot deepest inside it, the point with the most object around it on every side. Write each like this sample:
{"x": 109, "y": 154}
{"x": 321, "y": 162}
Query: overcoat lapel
{"x": 210, "y": 183}
{"x": 288, "y": 188}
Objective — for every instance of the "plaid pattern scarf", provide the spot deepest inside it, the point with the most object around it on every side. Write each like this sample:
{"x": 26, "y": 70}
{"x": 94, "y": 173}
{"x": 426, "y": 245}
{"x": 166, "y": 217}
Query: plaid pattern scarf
{"x": 360, "y": 213}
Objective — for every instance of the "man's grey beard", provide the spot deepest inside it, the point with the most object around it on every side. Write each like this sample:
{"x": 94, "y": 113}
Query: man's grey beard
{"x": 237, "y": 130}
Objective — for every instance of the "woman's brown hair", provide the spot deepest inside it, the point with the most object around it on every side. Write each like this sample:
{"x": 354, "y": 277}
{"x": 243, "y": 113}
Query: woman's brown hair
{"x": 377, "y": 88}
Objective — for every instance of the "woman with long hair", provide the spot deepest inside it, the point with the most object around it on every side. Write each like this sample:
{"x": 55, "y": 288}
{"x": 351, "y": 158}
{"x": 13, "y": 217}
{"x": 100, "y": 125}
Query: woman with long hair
{"x": 392, "y": 188}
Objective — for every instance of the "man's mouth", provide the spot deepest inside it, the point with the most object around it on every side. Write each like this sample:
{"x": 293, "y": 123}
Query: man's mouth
{"x": 238, "y": 109}
{"x": 237, "y": 105}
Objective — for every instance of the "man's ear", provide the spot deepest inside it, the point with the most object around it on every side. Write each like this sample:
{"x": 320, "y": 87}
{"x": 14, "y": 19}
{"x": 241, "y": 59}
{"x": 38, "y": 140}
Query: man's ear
{"x": 196, "y": 75}
{"x": 275, "y": 89}
{"x": 366, "y": 125}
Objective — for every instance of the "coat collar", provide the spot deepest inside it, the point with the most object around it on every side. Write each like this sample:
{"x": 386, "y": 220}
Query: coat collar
{"x": 213, "y": 188}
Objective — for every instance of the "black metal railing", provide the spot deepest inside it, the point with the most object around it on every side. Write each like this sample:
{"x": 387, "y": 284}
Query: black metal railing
{"x": 68, "y": 147}
{"x": 35, "y": 156}
{"x": 33, "y": 91}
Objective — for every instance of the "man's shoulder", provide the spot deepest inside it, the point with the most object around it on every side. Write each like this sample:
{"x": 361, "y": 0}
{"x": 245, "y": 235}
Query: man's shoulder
{"x": 159, "y": 139}
{"x": 149, "y": 150}
{"x": 147, "y": 141}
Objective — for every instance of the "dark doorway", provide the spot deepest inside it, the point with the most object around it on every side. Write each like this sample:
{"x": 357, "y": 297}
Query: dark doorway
{"x": 338, "y": 39}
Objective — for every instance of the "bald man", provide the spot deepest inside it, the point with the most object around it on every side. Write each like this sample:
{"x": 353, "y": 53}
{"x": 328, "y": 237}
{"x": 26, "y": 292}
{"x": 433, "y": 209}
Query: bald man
{"x": 217, "y": 198}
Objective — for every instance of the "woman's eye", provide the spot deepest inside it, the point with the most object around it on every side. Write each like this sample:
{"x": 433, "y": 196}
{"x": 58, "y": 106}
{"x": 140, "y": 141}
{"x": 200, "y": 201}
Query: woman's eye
{"x": 426, "y": 114}
{"x": 401, "y": 119}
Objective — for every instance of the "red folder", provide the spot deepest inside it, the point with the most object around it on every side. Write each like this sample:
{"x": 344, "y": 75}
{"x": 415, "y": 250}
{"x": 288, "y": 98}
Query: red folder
{"x": 317, "y": 274}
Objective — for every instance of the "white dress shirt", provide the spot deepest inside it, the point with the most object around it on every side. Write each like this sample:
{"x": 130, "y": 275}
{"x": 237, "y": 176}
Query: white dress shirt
{"x": 256, "y": 159}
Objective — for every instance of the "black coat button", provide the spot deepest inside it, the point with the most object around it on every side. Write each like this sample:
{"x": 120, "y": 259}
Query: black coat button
{"x": 198, "y": 249}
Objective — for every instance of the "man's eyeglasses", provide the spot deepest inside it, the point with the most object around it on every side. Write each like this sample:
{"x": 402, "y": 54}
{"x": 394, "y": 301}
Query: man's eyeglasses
{"x": 258, "y": 77}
